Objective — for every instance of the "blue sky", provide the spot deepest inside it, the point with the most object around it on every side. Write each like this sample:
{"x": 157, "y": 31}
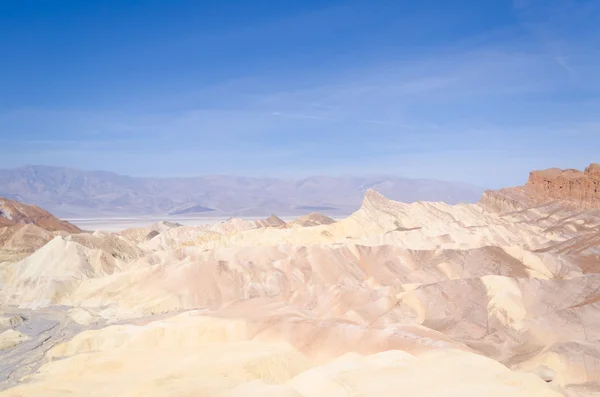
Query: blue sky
{"x": 474, "y": 91}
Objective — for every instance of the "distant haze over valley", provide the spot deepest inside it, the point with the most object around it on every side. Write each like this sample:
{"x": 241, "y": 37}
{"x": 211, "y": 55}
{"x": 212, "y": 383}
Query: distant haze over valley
{"x": 77, "y": 193}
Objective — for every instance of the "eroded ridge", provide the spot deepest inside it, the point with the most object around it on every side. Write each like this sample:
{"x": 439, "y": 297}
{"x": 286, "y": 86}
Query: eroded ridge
{"x": 497, "y": 298}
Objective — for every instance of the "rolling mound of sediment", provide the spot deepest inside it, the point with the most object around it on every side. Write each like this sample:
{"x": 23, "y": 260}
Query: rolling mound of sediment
{"x": 397, "y": 299}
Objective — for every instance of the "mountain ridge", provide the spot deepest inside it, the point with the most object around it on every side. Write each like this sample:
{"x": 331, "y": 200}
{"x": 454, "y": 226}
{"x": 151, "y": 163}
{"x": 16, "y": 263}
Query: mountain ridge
{"x": 70, "y": 192}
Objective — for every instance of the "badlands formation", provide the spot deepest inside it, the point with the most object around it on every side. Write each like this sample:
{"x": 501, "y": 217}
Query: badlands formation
{"x": 25, "y": 228}
{"x": 499, "y": 298}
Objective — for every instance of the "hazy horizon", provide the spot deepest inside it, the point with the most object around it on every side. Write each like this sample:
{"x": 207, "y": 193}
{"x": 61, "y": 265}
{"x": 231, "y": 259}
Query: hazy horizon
{"x": 71, "y": 192}
{"x": 260, "y": 176}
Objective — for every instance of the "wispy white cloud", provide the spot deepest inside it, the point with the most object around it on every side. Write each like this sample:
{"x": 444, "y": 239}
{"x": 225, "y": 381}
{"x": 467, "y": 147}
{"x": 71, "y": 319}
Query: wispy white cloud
{"x": 564, "y": 30}
{"x": 564, "y": 63}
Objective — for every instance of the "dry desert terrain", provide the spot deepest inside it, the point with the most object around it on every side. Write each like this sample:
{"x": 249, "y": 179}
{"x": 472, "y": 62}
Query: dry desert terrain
{"x": 498, "y": 298}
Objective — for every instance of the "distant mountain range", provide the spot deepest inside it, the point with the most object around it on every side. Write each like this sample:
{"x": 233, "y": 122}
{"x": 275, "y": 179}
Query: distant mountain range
{"x": 70, "y": 192}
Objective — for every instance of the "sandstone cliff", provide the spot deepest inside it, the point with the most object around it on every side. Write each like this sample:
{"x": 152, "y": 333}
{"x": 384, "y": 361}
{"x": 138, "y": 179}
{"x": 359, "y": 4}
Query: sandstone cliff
{"x": 569, "y": 187}
{"x": 580, "y": 188}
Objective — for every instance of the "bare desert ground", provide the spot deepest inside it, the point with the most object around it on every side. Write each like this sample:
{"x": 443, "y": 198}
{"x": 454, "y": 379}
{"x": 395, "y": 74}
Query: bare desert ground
{"x": 498, "y": 298}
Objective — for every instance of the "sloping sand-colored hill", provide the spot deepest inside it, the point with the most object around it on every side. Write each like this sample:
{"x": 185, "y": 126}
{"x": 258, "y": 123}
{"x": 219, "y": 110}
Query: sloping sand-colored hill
{"x": 424, "y": 299}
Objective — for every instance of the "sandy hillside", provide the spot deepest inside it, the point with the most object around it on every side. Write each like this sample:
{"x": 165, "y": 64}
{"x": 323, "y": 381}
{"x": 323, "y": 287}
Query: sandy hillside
{"x": 499, "y": 298}
{"x": 24, "y": 229}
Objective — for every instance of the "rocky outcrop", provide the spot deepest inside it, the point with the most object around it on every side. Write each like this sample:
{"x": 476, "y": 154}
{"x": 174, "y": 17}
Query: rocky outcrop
{"x": 16, "y": 213}
{"x": 570, "y": 187}
{"x": 312, "y": 219}
{"x": 26, "y": 228}
{"x": 580, "y": 188}
{"x": 272, "y": 221}
{"x": 506, "y": 200}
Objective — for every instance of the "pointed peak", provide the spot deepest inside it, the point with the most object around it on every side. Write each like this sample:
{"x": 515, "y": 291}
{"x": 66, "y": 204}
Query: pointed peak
{"x": 273, "y": 221}
{"x": 372, "y": 196}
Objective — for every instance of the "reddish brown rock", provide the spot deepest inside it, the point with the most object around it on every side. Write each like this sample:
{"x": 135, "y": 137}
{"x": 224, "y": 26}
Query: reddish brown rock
{"x": 25, "y": 228}
{"x": 574, "y": 186}
{"x": 593, "y": 171}
{"x": 16, "y": 213}
{"x": 569, "y": 187}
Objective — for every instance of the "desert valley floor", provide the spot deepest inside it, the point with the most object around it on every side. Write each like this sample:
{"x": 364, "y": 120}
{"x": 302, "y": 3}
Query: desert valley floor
{"x": 499, "y": 298}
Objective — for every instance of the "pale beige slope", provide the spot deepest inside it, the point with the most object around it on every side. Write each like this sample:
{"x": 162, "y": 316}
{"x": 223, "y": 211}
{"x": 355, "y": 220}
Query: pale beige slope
{"x": 109, "y": 243}
{"x": 519, "y": 322}
{"x": 582, "y": 250}
{"x": 27, "y": 238}
{"x": 585, "y": 244}
{"x": 263, "y": 321}
{"x": 164, "y": 236}
{"x": 412, "y": 277}
{"x": 51, "y": 274}
{"x": 306, "y": 277}
{"x": 195, "y": 277}
{"x": 574, "y": 364}
{"x": 381, "y": 221}
{"x": 140, "y": 234}
{"x": 211, "y": 357}
{"x": 440, "y": 373}
{"x": 503, "y": 317}
{"x": 179, "y": 237}
{"x": 416, "y": 226}
{"x": 11, "y": 338}
{"x": 312, "y": 219}
{"x": 19, "y": 241}
{"x": 556, "y": 219}
{"x": 544, "y": 311}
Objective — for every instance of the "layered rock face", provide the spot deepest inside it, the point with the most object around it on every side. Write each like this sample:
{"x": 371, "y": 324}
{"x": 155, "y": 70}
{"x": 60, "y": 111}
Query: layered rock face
{"x": 25, "y": 228}
{"x": 570, "y": 187}
{"x": 580, "y": 188}
{"x": 15, "y": 213}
